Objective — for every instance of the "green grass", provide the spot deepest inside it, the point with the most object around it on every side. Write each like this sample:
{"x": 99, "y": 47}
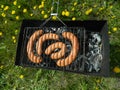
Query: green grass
{"x": 18, "y": 78}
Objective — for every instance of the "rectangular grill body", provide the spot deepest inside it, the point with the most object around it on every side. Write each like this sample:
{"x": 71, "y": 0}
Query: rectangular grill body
{"x": 93, "y": 54}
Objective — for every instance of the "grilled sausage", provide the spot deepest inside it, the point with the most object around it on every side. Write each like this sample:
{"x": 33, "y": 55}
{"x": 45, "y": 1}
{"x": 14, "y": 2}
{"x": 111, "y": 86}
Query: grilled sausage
{"x": 30, "y": 44}
{"x": 52, "y": 47}
{"x": 47, "y": 36}
{"x": 75, "y": 48}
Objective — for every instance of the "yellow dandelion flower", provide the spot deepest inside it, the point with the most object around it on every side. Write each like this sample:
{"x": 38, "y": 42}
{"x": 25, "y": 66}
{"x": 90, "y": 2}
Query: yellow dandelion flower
{"x": 100, "y": 9}
{"x": 73, "y": 9}
{"x": 51, "y": 8}
{"x": 109, "y": 32}
{"x": 45, "y": 16}
{"x": 13, "y": 12}
{"x": 24, "y": 10}
{"x": 1, "y": 67}
{"x": 42, "y": 3}
{"x": 48, "y": 11}
{"x": 42, "y": 12}
{"x": 98, "y": 81}
{"x": 97, "y": 13}
{"x": 3, "y": 15}
{"x": 40, "y": 6}
{"x": 63, "y": 13}
{"x": 13, "y": 37}
{"x": 54, "y": 17}
{"x": 96, "y": 88}
{"x": 73, "y": 19}
{"x": 17, "y": 17}
{"x": 115, "y": 29}
{"x": 2, "y": 6}
{"x": 6, "y": 8}
{"x": 14, "y": 41}
{"x": 83, "y": 5}
{"x": 15, "y": 2}
{"x": 1, "y": 33}
{"x": 95, "y": 6}
{"x": 16, "y": 31}
{"x": 19, "y": 6}
{"x": 116, "y": 69}
{"x": 34, "y": 7}
{"x": 67, "y": 13}
{"x": 88, "y": 11}
{"x": 5, "y": 21}
{"x": 31, "y": 14}
{"x": 21, "y": 76}
{"x": 113, "y": 17}
{"x": 75, "y": 3}
{"x": 111, "y": 7}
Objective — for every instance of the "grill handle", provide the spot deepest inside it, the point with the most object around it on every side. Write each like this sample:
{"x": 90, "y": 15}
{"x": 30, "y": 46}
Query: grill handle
{"x": 54, "y": 13}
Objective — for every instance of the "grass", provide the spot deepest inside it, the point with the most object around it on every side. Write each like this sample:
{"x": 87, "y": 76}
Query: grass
{"x": 18, "y": 78}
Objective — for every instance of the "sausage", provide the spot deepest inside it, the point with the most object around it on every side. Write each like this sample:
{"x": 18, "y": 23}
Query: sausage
{"x": 74, "y": 51}
{"x": 47, "y": 36}
{"x": 52, "y": 47}
{"x": 30, "y": 44}
{"x": 55, "y": 55}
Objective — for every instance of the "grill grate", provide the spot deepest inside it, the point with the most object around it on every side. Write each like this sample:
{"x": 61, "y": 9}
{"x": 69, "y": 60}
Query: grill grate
{"x": 84, "y": 52}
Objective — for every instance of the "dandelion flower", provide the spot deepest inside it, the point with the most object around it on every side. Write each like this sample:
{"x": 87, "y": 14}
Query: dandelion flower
{"x": 63, "y": 13}
{"x": 115, "y": 29}
{"x": 73, "y": 9}
{"x": 13, "y": 37}
{"x": 98, "y": 80}
{"x": 73, "y": 19}
{"x": 111, "y": 7}
{"x": 96, "y": 88}
{"x": 1, "y": 33}
{"x": 1, "y": 67}
{"x": 3, "y": 15}
{"x": 2, "y": 6}
{"x": 88, "y": 11}
{"x": 24, "y": 10}
{"x": 5, "y": 21}
{"x": 75, "y": 3}
{"x": 109, "y": 32}
{"x": 54, "y": 17}
{"x": 95, "y": 6}
{"x": 83, "y": 5}
{"x": 67, "y": 13}
{"x": 31, "y": 14}
{"x": 42, "y": 12}
{"x": 21, "y": 76}
{"x": 17, "y": 17}
{"x": 42, "y": 3}
{"x": 100, "y": 9}
{"x": 6, "y": 8}
{"x": 113, "y": 17}
{"x": 15, "y": 2}
{"x": 45, "y": 16}
{"x": 16, "y": 32}
{"x": 14, "y": 41}
{"x": 116, "y": 69}
{"x": 40, "y": 6}
{"x": 34, "y": 7}
{"x": 13, "y": 12}
{"x": 19, "y": 6}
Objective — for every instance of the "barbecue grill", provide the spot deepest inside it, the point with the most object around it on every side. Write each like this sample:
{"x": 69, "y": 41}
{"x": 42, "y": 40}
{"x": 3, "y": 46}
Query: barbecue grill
{"x": 73, "y": 46}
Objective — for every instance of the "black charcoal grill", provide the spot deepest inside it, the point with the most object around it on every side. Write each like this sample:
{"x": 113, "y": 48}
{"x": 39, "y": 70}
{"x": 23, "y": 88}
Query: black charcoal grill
{"x": 93, "y": 55}
{"x": 83, "y": 45}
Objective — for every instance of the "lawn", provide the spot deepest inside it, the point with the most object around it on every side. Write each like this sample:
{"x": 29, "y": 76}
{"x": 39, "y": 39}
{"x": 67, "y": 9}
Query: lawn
{"x": 12, "y": 12}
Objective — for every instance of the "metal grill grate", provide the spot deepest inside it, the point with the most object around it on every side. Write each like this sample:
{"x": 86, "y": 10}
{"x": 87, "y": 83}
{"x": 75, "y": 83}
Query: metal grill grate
{"x": 47, "y": 61}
